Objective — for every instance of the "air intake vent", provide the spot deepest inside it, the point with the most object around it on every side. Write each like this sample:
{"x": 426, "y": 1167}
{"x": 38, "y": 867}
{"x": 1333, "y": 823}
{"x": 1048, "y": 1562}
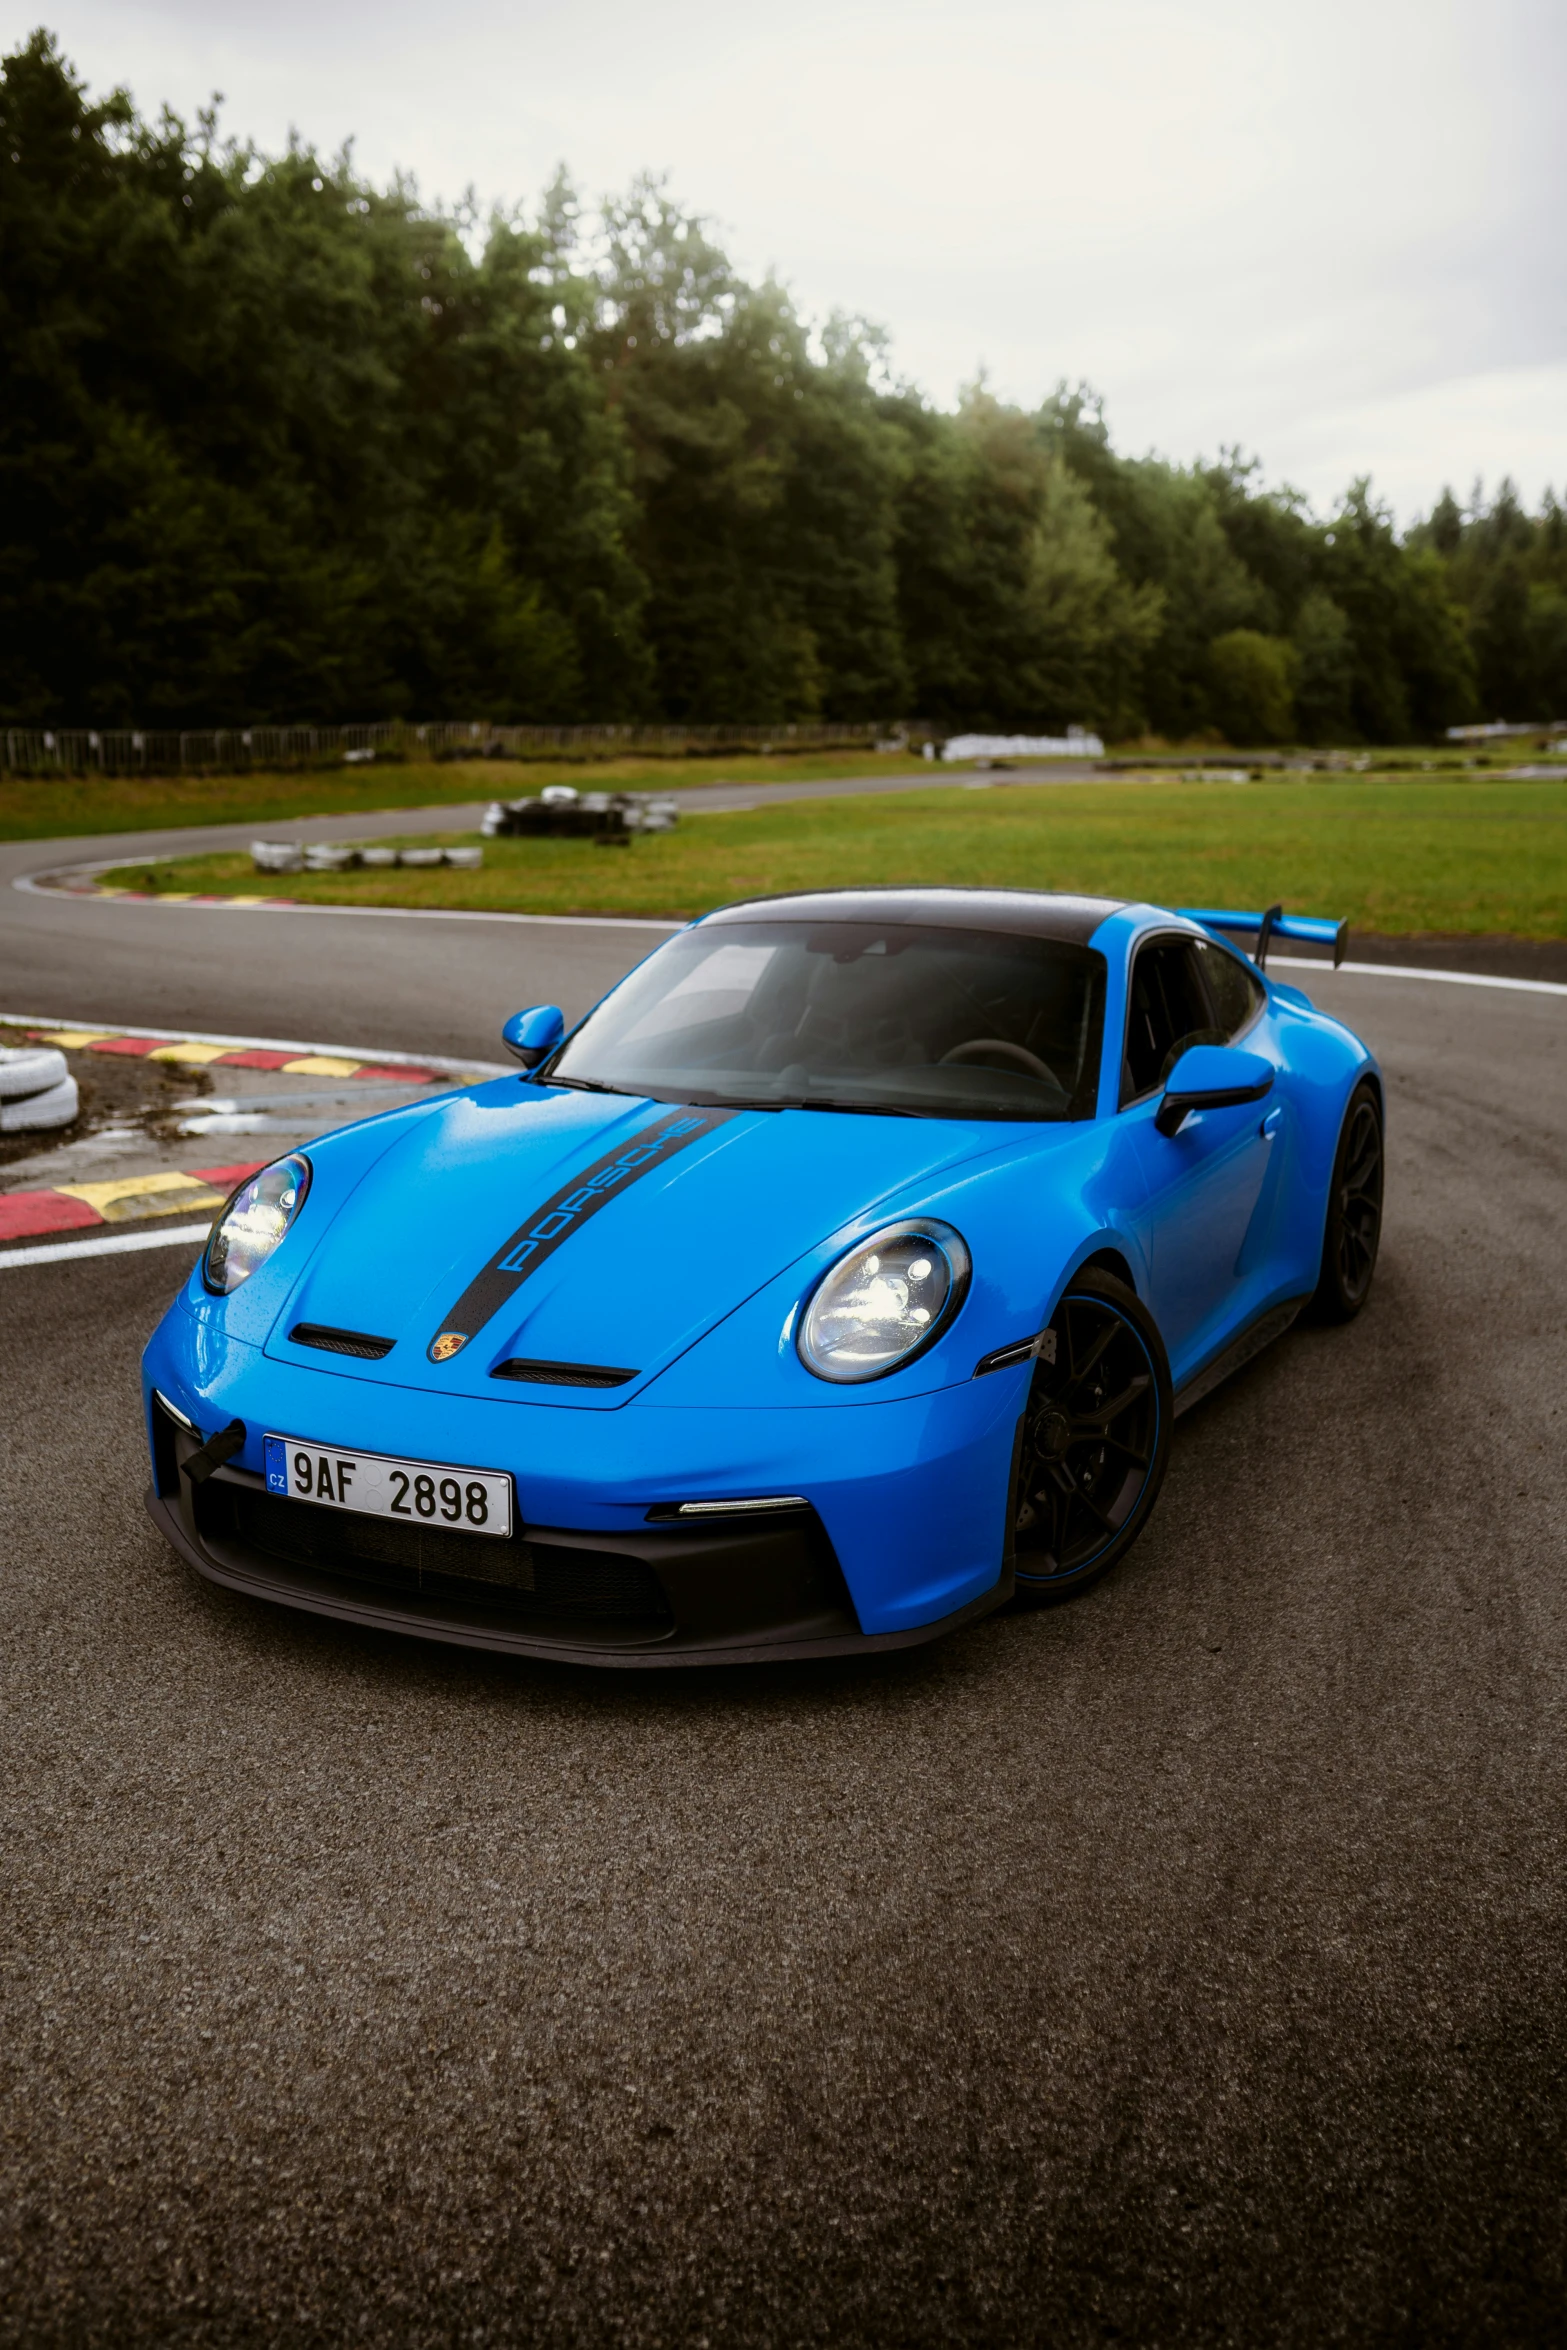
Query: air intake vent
{"x": 342, "y": 1342}
{"x": 562, "y": 1374}
{"x": 528, "y": 1577}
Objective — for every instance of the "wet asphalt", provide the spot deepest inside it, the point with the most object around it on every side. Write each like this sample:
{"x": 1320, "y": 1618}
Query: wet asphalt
{"x": 1184, "y": 1965}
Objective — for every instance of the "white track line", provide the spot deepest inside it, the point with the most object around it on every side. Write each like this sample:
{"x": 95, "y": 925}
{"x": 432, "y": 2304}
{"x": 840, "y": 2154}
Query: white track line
{"x": 115, "y": 1244}
{"x": 28, "y": 881}
{"x": 1409, "y": 971}
{"x": 41, "y": 886}
{"x": 265, "y": 1044}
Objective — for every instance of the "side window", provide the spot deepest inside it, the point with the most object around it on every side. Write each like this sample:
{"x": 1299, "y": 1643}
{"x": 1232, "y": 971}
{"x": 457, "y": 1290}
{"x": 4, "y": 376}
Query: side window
{"x": 1167, "y": 1011}
{"x": 1237, "y": 995}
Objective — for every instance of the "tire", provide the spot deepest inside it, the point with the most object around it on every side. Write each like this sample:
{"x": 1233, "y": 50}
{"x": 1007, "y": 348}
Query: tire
{"x": 58, "y": 1106}
{"x": 1353, "y": 1229}
{"x": 28, "y": 1070}
{"x": 1086, "y": 1478}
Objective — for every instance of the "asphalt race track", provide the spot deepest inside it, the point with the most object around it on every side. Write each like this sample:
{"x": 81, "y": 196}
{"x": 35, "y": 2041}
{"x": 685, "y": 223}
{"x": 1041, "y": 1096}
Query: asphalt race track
{"x": 289, "y": 974}
{"x": 1181, "y": 1966}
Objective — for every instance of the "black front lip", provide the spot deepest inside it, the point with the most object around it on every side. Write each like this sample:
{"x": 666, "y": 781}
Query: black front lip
{"x": 700, "y": 1574}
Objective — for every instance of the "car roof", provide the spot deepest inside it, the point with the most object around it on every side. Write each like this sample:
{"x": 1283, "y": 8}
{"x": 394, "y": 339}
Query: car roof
{"x": 1029, "y": 913}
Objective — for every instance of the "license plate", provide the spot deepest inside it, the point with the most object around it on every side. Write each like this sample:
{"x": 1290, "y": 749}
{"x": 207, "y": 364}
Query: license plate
{"x": 418, "y": 1493}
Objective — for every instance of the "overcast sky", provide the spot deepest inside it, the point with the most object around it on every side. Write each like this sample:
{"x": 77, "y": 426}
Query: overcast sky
{"x": 1320, "y": 228}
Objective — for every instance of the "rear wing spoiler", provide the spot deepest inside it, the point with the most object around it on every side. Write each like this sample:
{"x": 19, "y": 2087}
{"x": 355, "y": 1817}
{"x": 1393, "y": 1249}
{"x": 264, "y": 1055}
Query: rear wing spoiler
{"x": 1314, "y": 929}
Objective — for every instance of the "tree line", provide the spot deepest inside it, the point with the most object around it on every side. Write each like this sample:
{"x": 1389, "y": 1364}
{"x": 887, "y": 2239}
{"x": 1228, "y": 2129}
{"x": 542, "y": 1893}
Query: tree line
{"x": 277, "y": 444}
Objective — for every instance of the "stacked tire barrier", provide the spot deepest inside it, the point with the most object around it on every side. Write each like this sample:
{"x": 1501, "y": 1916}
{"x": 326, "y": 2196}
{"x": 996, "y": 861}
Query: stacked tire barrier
{"x": 37, "y": 1090}
{"x": 329, "y": 856}
{"x": 559, "y": 812}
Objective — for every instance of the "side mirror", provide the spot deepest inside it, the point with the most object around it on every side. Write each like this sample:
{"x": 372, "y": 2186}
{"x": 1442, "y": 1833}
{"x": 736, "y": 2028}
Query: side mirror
{"x": 533, "y": 1035}
{"x": 1211, "y": 1077}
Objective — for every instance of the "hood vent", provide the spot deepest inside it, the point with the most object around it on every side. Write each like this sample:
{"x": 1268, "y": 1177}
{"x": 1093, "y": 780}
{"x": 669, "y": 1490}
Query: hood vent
{"x": 368, "y": 1348}
{"x": 561, "y": 1374}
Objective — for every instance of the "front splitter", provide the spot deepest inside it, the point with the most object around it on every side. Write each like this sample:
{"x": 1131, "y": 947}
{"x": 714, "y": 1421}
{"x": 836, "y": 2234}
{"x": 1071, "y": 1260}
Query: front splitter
{"x": 322, "y": 1595}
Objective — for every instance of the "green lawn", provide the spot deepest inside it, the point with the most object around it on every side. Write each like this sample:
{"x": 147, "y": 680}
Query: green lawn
{"x": 43, "y": 810}
{"x": 36, "y": 809}
{"x": 1471, "y": 855}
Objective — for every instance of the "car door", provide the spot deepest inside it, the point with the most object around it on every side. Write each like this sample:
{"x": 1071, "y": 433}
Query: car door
{"x": 1202, "y": 1184}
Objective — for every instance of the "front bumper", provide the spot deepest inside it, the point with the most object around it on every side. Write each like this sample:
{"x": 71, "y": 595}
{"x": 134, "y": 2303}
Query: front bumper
{"x": 805, "y": 1622}
{"x": 902, "y": 1538}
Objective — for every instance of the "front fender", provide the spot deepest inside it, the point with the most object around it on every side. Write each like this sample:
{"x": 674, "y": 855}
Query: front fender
{"x": 1030, "y": 1219}
{"x": 338, "y": 1163}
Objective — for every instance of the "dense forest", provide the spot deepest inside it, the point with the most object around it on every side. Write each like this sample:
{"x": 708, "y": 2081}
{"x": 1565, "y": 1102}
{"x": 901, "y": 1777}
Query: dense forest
{"x": 276, "y": 444}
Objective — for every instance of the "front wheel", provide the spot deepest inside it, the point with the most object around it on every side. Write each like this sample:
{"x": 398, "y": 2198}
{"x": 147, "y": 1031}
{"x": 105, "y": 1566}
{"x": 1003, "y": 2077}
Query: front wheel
{"x": 1354, "y": 1219}
{"x": 1094, "y": 1441}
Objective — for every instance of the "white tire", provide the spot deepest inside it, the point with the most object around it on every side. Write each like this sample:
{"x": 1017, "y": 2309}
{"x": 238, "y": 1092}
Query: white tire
{"x": 57, "y": 1107}
{"x": 29, "y": 1069}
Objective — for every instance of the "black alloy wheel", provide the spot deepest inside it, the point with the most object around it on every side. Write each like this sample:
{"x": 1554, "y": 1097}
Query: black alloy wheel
{"x": 1094, "y": 1440}
{"x": 1354, "y": 1219}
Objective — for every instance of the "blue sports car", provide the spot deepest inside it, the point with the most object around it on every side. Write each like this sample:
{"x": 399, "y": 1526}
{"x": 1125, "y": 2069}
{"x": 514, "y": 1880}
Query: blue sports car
{"x": 837, "y": 1279}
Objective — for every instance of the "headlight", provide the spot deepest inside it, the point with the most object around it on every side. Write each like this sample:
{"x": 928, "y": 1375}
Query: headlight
{"x": 253, "y": 1223}
{"x": 883, "y": 1302}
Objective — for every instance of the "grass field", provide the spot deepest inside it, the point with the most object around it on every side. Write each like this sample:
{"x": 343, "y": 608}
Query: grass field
{"x": 1423, "y": 855}
{"x": 42, "y": 810}
{"x": 35, "y": 809}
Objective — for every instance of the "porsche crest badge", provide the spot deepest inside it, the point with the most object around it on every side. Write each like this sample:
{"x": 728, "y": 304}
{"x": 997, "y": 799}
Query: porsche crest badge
{"x": 450, "y": 1342}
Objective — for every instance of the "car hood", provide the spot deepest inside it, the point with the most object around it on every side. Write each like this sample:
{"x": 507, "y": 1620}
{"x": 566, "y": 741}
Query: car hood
{"x": 584, "y": 1229}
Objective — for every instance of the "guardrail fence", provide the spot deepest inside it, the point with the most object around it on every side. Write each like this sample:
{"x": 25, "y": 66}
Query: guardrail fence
{"x": 231, "y": 750}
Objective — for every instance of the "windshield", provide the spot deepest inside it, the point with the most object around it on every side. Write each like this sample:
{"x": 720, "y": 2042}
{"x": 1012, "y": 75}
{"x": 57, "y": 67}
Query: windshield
{"x": 851, "y": 1015}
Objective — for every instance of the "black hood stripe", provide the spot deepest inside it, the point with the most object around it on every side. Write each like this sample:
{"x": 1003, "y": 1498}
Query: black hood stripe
{"x": 535, "y": 1241}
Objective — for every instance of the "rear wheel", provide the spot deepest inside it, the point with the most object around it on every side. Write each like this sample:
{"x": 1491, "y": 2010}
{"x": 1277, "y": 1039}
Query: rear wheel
{"x": 1354, "y": 1220}
{"x": 1094, "y": 1440}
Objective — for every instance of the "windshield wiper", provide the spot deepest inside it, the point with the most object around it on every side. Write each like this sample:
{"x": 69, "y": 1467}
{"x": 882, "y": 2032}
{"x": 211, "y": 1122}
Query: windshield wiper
{"x": 860, "y": 1109}
{"x": 703, "y": 1097}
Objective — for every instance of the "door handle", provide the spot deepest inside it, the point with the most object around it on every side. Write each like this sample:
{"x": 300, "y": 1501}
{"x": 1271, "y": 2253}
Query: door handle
{"x": 1271, "y": 1124}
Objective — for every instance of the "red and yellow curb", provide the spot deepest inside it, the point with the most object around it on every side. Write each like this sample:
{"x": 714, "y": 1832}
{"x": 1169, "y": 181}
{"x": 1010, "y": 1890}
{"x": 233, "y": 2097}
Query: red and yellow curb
{"x": 126, "y": 1199}
{"x": 207, "y": 1056}
{"x": 173, "y": 1192}
{"x": 178, "y": 897}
